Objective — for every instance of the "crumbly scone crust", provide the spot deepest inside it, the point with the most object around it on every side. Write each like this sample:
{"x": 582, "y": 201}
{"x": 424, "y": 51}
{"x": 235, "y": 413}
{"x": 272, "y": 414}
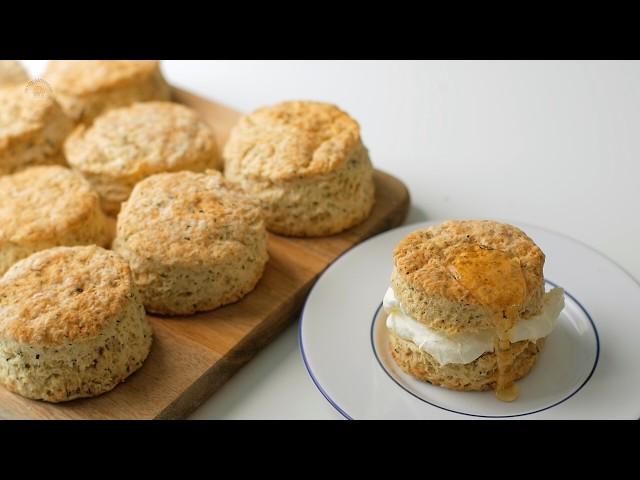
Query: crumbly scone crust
{"x": 292, "y": 140}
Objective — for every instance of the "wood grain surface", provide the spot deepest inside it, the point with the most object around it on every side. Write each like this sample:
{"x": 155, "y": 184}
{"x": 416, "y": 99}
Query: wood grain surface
{"x": 193, "y": 356}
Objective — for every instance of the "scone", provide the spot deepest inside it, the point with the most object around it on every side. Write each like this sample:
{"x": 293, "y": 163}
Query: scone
{"x": 87, "y": 88}
{"x": 72, "y": 324}
{"x": 306, "y": 163}
{"x": 128, "y": 144}
{"x": 467, "y": 307}
{"x": 32, "y": 129}
{"x": 194, "y": 241}
{"x": 12, "y": 73}
{"x": 47, "y": 206}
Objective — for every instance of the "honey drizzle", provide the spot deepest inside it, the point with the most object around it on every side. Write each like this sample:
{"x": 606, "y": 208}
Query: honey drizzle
{"x": 495, "y": 280}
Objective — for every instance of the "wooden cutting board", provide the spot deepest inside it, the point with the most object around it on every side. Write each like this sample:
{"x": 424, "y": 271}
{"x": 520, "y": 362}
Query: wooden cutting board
{"x": 193, "y": 356}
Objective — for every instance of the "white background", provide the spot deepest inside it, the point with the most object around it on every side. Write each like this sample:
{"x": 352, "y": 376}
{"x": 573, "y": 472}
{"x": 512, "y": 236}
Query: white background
{"x": 554, "y": 144}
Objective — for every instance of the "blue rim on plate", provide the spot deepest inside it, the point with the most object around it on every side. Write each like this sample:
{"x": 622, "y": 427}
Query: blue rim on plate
{"x": 313, "y": 377}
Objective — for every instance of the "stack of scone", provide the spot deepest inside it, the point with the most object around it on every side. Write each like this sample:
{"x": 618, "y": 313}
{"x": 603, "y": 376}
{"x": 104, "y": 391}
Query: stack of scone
{"x": 467, "y": 308}
{"x": 188, "y": 238}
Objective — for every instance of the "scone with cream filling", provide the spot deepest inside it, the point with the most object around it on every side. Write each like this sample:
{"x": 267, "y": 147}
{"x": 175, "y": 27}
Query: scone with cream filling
{"x": 466, "y": 308}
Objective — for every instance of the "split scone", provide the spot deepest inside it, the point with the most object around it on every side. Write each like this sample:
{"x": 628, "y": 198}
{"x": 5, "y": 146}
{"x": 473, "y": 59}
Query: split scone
{"x": 467, "y": 307}
{"x": 12, "y": 73}
{"x": 306, "y": 163}
{"x": 125, "y": 145}
{"x": 72, "y": 324}
{"x": 87, "y": 88}
{"x": 47, "y": 206}
{"x": 32, "y": 129}
{"x": 194, "y": 241}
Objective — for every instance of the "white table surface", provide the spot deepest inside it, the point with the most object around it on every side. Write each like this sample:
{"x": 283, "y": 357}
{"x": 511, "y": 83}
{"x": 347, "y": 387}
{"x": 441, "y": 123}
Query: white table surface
{"x": 554, "y": 144}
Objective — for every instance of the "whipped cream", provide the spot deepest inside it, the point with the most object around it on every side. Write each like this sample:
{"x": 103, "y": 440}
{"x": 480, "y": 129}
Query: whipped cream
{"x": 466, "y": 347}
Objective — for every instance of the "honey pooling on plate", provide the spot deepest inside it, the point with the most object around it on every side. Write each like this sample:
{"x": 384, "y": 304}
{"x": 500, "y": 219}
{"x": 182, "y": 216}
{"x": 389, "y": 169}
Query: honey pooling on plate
{"x": 495, "y": 280}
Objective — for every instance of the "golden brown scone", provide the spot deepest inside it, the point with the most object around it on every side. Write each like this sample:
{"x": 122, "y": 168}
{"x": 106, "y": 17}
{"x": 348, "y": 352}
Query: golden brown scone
{"x": 12, "y": 73}
{"x": 306, "y": 163}
{"x": 194, "y": 241}
{"x": 428, "y": 289}
{"x": 72, "y": 324}
{"x": 32, "y": 129}
{"x": 47, "y": 206}
{"x": 479, "y": 375}
{"x": 125, "y": 145}
{"x": 87, "y": 88}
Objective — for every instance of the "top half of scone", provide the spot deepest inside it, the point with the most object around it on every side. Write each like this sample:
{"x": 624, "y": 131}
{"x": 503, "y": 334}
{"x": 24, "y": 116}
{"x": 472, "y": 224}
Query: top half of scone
{"x": 144, "y": 138}
{"x": 66, "y": 294}
{"x": 29, "y": 117}
{"x": 45, "y": 204}
{"x": 86, "y": 88}
{"x": 460, "y": 276}
{"x": 293, "y": 141}
{"x": 85, "y": 77}
{"x": 187, "y": 218}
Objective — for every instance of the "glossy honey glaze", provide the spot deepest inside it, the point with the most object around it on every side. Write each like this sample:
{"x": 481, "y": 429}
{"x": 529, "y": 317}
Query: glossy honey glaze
{"x": 495, "y": 279}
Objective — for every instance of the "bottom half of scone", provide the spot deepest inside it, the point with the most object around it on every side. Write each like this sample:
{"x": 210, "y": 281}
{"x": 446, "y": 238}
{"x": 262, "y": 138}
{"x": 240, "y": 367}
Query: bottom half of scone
{"x": 479, "y": 375}
{"x": 58, "y": 373}
{"x": 316, "y": 206}
{"x": 173, "y": 288}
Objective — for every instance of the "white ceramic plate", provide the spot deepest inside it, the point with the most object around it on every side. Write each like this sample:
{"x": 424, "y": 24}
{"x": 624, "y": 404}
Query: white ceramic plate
{"x": 588, "y": 369}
